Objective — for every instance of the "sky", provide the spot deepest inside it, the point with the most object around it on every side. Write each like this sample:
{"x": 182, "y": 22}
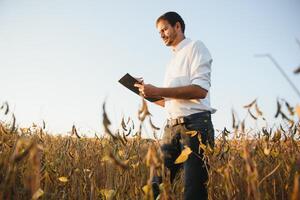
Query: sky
{"x": 60, "y": 60}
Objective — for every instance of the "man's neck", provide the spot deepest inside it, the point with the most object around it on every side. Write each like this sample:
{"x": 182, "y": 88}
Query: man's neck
{"x": 178, "y": 40}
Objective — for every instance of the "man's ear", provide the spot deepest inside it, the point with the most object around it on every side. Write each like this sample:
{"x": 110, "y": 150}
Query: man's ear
{"x": 178, "y": 26}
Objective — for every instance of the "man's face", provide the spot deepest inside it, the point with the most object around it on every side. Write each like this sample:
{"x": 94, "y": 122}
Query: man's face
{"x": 167, "y": 32}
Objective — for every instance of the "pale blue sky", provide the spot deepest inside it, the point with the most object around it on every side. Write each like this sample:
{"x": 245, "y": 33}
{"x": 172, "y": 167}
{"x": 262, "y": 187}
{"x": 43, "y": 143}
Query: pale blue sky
{"x": 59, "y": 60}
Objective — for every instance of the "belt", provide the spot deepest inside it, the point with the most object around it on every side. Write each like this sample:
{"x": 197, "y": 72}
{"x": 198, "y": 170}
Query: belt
{"x": 185, "y": 119}
{"x": 174, "y": 122}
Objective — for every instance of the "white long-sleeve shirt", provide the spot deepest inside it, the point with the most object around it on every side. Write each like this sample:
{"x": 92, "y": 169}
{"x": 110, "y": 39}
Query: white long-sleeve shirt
{"x": 189, "y": 65}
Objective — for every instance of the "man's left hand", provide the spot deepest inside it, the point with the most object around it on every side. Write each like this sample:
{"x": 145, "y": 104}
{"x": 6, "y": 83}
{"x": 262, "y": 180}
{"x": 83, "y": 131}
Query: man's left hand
{"x": 148, "y": 90}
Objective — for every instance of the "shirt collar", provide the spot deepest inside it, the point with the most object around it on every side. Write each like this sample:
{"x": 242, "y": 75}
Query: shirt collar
{"x": 181, "y": 44}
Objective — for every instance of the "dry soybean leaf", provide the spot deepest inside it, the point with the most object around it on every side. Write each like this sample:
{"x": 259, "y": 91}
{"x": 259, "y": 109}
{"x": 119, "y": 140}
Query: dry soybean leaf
{"x": 63, "y": 179}
{"x": 37, "y": 194}
{"x": 123, "y": 124}
{"x": 13, "y": 126}
{"x": 298, "y": 110}
{"x": 184, "y": 155}
{"x": 44, "y": 124}
{"x": 74, "y": 131}
{"x": 146, "y": 189}
{"x": 5, "y": 104}
{"x": 274, "y": 153}
{"x": 297, "y": 71}
{"x": 109, "y": 194}
{"x": 106, "y": 123}
{"x": 77, "y": 170}
{"x": 233, "y": 119}
{"x": 251, "y": 104}
{"x": 278, "y": 109}
{"x": 202, "y": 146}
{"x": 105, "y": 158}
{"x": 295, "y": 193}
{"x": 161, "y": 186}
{"x": 254, "y": 117}
{"x": 134, "y": 166}
{"x": 143, "y": 112}
{"x": 243, "y": 126}
{"x": 128, "y": 120}
{"x": 267, "y": 151}
{"x": 151, "y": 156}
{"x": 117, "y": 161}
{"x": 290, "y": 108}
{"x": 121, "y": 153}
{"x": 24, "y": 130}
{"x": 277, "y": 136}
{"x": 258, "y": 111}
{"x": 152, "y": 125}
{"x": 191, "y": 133}
{"x": 86, "y": 170}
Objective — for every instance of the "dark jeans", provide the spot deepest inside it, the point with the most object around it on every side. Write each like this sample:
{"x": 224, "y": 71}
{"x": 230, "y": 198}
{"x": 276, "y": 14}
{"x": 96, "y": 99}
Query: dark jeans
{"x": 195, "y": 171}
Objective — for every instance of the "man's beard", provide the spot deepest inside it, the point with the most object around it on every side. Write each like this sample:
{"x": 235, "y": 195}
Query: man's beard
{"x": 171, "y": 39}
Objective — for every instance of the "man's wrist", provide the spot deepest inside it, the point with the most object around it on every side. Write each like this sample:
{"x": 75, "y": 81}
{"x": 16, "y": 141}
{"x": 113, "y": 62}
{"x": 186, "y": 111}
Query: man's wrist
{"x": 159, "y": 92}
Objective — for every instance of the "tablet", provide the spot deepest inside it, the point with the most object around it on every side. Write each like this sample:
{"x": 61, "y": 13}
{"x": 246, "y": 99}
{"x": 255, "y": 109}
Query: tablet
{"x": 128, "y": 81}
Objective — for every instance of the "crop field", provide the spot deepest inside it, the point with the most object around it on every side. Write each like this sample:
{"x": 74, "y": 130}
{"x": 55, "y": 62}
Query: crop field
{"x": 119, "y": 164}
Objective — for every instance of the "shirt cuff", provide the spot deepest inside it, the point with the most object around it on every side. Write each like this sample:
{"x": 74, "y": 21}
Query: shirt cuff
{"x": 202, "y": 83}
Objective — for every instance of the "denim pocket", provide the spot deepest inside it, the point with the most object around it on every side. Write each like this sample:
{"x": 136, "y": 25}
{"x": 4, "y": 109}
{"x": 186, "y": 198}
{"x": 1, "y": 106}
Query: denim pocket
{"x": 204, "y": 128}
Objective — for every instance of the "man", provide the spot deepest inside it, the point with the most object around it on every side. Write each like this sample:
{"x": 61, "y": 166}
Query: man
{"x": 186, "y": 98}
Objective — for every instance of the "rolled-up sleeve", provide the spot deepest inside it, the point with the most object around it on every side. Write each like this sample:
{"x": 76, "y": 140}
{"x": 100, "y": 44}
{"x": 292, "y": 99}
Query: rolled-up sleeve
{"x": 200, "y": 68}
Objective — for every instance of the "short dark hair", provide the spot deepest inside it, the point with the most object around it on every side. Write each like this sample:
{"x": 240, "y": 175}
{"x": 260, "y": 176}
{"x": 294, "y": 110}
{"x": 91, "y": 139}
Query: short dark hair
{"x": 172, "y": 18}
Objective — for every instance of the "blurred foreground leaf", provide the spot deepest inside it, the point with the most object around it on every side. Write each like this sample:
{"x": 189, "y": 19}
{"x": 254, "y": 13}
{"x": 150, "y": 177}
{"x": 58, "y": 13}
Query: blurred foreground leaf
{"x": 109, "y": 194}
{"x": 37, "y": 194}
{"x": 63, "y": 179}
{"x": 298, "y": 110}
{"x": 184, "y": 155}
{"x": 191, "y": 133}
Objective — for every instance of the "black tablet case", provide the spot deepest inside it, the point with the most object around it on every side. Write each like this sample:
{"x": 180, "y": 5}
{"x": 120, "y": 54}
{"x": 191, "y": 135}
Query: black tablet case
{"x": 128, "y": 81}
